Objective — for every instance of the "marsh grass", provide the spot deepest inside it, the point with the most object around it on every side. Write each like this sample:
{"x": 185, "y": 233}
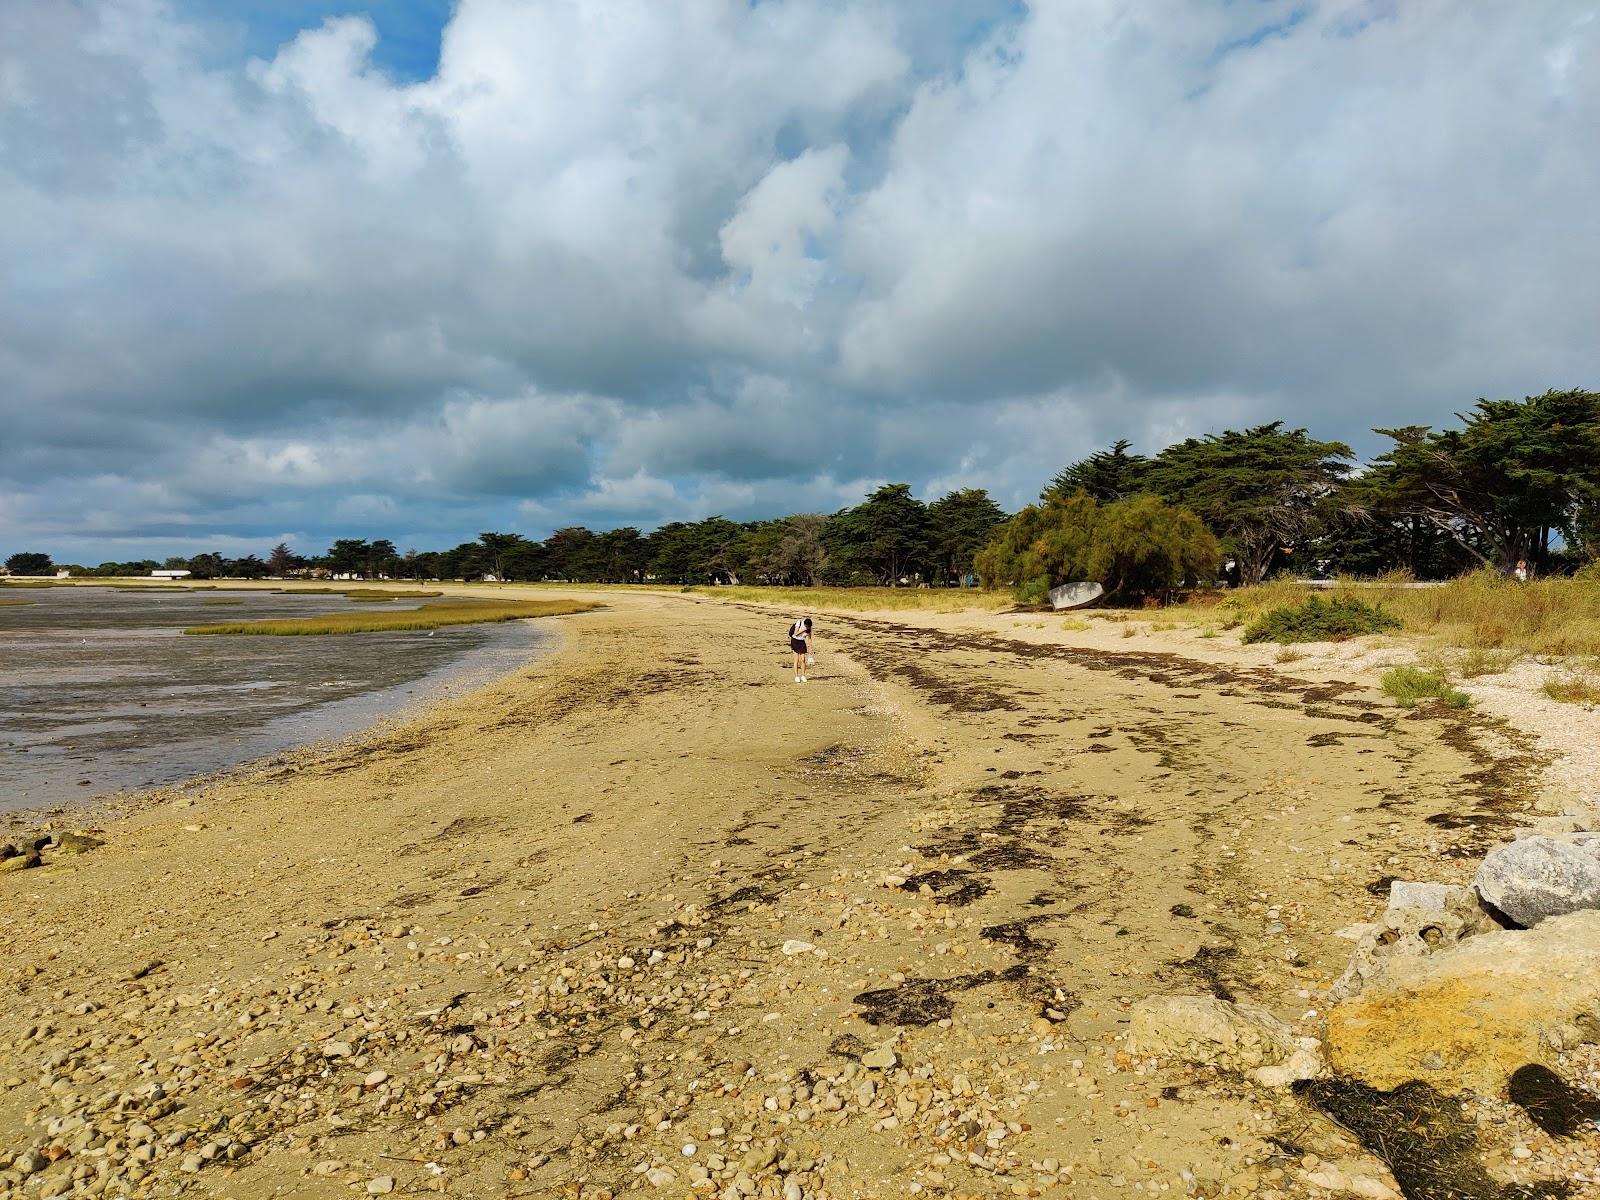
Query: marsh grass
{"x": 1411, "y": 685}
{"x": 865, "y": 599}
{"x": 33, "y": 583}
{"x": 368, "y": 594}
{"x": 220, "y": 600}
{"x": 14, "y": 603}
{"x": 428, "y": 616}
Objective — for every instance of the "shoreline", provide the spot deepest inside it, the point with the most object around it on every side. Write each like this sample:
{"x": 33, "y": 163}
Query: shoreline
{"x": 95, "y": 812}
{"x": 611, "y": 905}
{"x": 184, "y": 747}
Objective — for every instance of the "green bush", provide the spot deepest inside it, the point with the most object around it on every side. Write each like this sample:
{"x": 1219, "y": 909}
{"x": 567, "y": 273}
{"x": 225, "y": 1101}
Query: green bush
{"x": 1408, "y": 685}
{"x": 1319, "y": 620}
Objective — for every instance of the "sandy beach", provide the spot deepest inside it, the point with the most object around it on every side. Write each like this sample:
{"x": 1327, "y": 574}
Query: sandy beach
{"x": 648, "y": 915}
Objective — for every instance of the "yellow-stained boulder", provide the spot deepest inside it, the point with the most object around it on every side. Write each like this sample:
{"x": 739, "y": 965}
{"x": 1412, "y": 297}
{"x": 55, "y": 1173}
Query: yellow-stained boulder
{"x": 1465, "y": 1018}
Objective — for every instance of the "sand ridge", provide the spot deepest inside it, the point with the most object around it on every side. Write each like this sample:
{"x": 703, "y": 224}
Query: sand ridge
{"x": 648, "y": 914}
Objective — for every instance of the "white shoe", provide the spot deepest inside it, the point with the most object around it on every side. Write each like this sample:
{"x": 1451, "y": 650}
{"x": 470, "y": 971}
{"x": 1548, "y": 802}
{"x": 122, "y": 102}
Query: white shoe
{"x": 797, "y": 679}
{"x": 802, "y": 679}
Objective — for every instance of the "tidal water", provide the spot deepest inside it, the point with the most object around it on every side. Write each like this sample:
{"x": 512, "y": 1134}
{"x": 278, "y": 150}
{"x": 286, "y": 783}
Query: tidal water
{"x": 100, "y": 690}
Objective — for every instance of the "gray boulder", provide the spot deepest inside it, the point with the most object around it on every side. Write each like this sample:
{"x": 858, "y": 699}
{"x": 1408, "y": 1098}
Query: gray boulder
{"x": 1429, "y": 897}
{"x": 1539, "y": 877}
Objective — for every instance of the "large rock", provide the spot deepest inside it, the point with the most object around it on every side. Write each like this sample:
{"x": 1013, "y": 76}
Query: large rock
{"x": 1422, "y": 919}
{"x": 1212, "y": 1032}
{"x": 1540, "y": 877}
{"x": 1467, "y": 1016}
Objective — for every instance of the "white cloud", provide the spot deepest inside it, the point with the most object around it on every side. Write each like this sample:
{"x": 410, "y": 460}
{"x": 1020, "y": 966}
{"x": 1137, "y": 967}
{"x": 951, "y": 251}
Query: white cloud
{"x": 630, "y": 258}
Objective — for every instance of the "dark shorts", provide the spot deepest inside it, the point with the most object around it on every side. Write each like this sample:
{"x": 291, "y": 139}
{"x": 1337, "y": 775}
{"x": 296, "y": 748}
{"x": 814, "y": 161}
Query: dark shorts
{"x": 797, "y": 645}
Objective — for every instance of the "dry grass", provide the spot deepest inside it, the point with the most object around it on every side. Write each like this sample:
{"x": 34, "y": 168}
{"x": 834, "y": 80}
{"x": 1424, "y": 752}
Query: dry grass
{"x": 32, "y": 583}
{"x": 14, "y": 603}
{"x": 429, "y": 616}
{"x": 1471, "y": 662}
{"x": 822, "y": 599}
{"x": 1483, "y": 611}
{"x": 1478, "y": 612}
{"x": 220, "y": 600}
{"x": 1577, "y": 686}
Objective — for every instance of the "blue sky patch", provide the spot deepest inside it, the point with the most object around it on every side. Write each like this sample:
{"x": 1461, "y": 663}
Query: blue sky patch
{"x": 408, "y": 30}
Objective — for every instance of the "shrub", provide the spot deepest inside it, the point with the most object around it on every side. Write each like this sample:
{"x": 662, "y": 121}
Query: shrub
{"x": 1408, "y": 685}
{"x": 1319, "y": 620}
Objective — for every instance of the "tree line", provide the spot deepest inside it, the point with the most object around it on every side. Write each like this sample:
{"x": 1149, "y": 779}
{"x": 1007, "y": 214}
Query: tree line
{"x": 1513, "y": 481}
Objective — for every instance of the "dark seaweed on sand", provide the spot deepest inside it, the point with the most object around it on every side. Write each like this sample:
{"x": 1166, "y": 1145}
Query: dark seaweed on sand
{"x": 1421, "y": 1136}
{"x": 1552, "y": 1103}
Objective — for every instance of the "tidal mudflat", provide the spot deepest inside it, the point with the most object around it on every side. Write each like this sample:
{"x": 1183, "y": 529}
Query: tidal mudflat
{"x": 104, "y": 693}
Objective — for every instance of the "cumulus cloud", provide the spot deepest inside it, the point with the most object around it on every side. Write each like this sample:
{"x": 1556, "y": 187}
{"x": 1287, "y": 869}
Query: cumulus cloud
{"x": 638, "y": 262}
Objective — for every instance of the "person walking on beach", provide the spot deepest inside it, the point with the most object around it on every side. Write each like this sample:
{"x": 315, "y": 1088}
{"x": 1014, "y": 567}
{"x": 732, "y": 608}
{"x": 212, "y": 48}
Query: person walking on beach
{"x": 800, "y": 644}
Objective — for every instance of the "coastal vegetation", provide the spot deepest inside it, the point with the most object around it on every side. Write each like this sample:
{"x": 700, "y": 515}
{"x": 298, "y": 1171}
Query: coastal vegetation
{"x": 1579, "y": 685}
{"x": 367, "y": 595}
{"x": 1140, "y": 545}
{"x": 1410, "y": 686}
{"x": 862, "y": 599}
{"x": 428, "y": 616}
{"x": 30, "y": 562}
{"x": 1318, "y": 620}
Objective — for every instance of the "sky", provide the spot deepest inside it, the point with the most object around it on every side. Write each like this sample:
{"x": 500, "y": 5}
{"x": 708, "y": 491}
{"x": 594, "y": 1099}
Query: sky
{"x": 292, "y": 270}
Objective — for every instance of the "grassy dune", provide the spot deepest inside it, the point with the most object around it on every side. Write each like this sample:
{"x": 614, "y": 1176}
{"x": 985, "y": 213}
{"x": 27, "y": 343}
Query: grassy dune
{"x": 429, "y": 616}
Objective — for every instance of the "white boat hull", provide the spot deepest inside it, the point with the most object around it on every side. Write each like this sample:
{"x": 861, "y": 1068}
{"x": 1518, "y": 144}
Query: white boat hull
{"x": 1075, "y": 595}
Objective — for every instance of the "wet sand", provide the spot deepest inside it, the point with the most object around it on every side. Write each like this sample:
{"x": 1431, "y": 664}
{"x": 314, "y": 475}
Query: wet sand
{"x": 647, "y": 894}
{"x": 103, "y": 693}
